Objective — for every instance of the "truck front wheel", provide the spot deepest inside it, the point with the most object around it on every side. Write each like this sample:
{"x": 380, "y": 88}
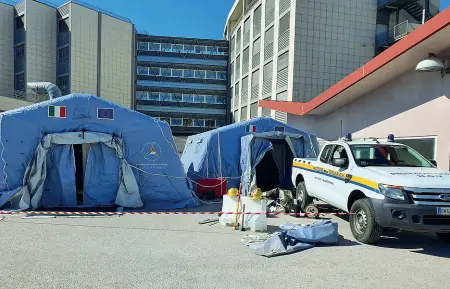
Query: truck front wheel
{"x": 362, "y": 222}
{"x": 444, "y": 237}
{"x": 303, "y": 199}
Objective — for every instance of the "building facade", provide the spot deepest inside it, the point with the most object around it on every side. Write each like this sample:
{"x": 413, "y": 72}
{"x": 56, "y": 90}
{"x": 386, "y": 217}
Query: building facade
{"x": 293, "y": 50}
{"x": 79, "y": 47}
{"x": 183, "y": 81}
{"x": 388, "y": 96}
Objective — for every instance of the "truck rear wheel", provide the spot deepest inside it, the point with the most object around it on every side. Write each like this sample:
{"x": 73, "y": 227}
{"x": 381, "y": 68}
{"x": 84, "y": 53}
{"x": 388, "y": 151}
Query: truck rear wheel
{"x": 303, "y": 199}
{"x": 362, "y": 222}
{"x": 444, "y": 237}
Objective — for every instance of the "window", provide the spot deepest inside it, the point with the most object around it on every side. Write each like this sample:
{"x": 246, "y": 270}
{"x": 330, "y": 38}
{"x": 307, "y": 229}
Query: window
{"x": 166, "y": 47}
{"x": 245, "y": 83}
{"x": 199, "y": 122}
{"x": 244, "y": 113}
{"x": 19, "y": 82}
{"x": 325, "y": 154}
{"x": 247, "y": 25}
{"x": 339, "y": 153}
{"x": 220, "y": 100}
{"x": 189, "y": 49}
{"x": 63, "y": 53}
{"x": 282, "y": 96}
{"x": 200, "y": 74}
{"x": 269, "y": 4}
{"x": 236, "y": 90}
{"x": 210, "y": 99}
{"x": 20, "y": 50}
{"x": 211, "y": 50}
{"x": 284, "y": 23}
{"x": 177, "y": 97}
{"x": 232, "y": 43}
{"x": 166, "y": 72}
{"x": 188, "y": 73}
{"x": 255, "y": 78}
{"x": 238, "y": 39}
{"x": 238, "y": 64}
{"x": 267, "y": 71}
{"x": 62, "y": 81}
{"x": 20, "y": 22}
{"x": 219, "y": 123}
{"x": 142, "y": 46}
{"x": 254, "y": 110}
{"x": 154, "y": 96}
{"x": 210, "y": 123}
{"x": 154, "y": 71}
{"x": 256, "y": 46}
{"x": 257, "y": 15}
{"x": 188, "y": 122}
{"x": 199, "y": 98}
{"x": 177, "y": 72}
{"x": 177, "y": 47}
{"x": 424, "y": 146}
{"x": 268, "y": 37}
{"x": 176, "y": 122}
{"x": 245, "y": 55}
{"x": 155, "y": 46}
{"x": 394, "y": 155}
{"x": 188, "y": 98}
{"x": 63, "y": 25}
{"x": 283, "y": 61}
{"x": 222, "y": 75}
{"x": 164, "y": 96}
{"x": 165, "y": 119}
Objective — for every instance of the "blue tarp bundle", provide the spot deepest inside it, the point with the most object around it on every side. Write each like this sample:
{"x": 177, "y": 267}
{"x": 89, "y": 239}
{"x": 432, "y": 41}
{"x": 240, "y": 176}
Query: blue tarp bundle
{"x": 234, "y": 151}
{"x": 131, "y": 157}
{"x": 298, "y": 238}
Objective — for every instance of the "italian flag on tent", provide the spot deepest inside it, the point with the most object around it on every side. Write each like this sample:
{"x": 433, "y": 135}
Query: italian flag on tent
{"x": 57, "y": 111}
{"x": 250, "y": 128}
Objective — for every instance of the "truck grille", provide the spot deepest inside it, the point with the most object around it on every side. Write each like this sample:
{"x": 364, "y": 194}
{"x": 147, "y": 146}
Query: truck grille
{"x": 429, "y": 197}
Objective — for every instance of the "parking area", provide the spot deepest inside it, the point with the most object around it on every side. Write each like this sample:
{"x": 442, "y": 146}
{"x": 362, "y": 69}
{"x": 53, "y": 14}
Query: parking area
{"x": 174, "y": 251}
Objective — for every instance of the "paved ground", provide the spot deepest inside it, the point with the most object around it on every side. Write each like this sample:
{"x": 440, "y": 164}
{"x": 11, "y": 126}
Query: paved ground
{"x": 174, "y": 251}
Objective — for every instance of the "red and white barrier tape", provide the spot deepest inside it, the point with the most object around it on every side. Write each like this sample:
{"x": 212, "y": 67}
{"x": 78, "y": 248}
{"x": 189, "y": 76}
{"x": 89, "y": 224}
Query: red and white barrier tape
{"x": 158, "y": 213}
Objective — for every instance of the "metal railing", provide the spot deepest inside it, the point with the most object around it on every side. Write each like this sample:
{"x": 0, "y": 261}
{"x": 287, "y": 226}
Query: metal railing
{"x": 388, "y": 37}
{"x": 432, "y": 10}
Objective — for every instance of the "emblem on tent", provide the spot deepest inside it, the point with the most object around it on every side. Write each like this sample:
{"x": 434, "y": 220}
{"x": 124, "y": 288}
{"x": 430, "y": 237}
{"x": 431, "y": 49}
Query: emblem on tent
{"x": 105, "y": 113}
{"x": 151, "y": 151}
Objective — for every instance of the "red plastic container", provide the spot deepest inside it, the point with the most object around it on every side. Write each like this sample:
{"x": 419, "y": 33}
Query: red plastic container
{"x": 218, "y": 186}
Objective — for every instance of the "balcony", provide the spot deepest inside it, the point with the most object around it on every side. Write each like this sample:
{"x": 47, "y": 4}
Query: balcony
{"x": 387, "y": 38}
{"x": 413, "y": 7}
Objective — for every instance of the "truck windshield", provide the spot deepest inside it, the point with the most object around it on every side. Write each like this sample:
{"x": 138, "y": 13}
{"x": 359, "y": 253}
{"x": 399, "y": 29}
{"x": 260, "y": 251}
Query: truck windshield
{"x": 387, "y": 155}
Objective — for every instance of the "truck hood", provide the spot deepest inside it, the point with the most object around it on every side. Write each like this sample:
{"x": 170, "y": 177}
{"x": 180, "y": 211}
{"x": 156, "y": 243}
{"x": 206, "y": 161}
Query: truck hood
{"x": 412, "y": 177}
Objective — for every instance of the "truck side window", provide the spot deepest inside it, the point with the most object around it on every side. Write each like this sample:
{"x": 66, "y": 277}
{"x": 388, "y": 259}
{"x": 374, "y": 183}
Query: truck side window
{"x": 339, "y": 153}
{"x": 325, "y": 153}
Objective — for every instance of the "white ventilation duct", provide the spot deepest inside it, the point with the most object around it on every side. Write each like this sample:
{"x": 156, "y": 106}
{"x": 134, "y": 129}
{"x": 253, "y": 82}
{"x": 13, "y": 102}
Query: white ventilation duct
{"x": 45, "y": 88}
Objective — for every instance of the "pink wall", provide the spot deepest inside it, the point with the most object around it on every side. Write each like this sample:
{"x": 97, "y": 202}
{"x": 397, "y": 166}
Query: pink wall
{"x": 413, "y": 105}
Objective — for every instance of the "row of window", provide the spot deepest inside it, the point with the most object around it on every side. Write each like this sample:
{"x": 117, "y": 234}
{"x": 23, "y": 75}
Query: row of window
{"x": 188, "y": 73}
{"x": 178, "y": 97}
{"x": 190, "y": 122}
{"x": 183, "y": 48}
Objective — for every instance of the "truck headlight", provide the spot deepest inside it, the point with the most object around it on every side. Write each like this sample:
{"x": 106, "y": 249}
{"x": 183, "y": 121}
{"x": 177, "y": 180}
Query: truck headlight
{"x": 393, "y": 192}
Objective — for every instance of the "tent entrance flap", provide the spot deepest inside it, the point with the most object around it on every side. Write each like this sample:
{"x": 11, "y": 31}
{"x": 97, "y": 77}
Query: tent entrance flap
{"x": 51, "y": 179}
{"x": 267, "y": 173}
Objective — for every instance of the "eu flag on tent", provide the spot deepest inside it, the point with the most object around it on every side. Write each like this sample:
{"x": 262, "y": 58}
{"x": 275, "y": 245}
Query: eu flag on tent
{"x": 105, "y": 113}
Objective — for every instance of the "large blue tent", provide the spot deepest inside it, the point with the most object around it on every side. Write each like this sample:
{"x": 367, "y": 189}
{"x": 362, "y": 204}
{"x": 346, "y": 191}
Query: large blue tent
{"x": 126, "y": 158}
{"x": 235, "y": 151}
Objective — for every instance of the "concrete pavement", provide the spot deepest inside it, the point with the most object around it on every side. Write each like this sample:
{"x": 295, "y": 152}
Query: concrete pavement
{"x": 174, "y": 251}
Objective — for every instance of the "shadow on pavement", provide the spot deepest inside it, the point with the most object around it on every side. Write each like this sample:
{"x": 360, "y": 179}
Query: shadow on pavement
{"x": 421, "y": 243}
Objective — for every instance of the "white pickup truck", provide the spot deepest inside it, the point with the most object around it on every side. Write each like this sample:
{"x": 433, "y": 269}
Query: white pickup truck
{"x": 381, "y": 185}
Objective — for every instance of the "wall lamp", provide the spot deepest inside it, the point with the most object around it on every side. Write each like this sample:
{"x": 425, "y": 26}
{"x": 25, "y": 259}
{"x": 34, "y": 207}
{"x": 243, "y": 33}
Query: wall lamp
{"x": 433, "y": 63}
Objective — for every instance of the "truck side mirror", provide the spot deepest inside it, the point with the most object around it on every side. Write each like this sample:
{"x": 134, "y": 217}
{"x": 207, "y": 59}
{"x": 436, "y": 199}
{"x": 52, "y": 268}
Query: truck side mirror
{"x": 341, "y": 162}
{"x": 433, "y": 162}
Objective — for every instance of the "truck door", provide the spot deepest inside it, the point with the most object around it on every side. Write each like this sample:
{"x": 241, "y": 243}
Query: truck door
{"x": 316, "y": 182}
{"x": 334, "y": 178}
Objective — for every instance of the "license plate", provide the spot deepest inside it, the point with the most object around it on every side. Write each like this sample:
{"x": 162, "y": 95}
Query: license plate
{"x": 443, "y": 211}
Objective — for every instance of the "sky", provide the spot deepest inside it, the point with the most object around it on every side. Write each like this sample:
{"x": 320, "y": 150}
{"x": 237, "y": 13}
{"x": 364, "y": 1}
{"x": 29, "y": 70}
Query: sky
{"x": 183, "y": 18}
